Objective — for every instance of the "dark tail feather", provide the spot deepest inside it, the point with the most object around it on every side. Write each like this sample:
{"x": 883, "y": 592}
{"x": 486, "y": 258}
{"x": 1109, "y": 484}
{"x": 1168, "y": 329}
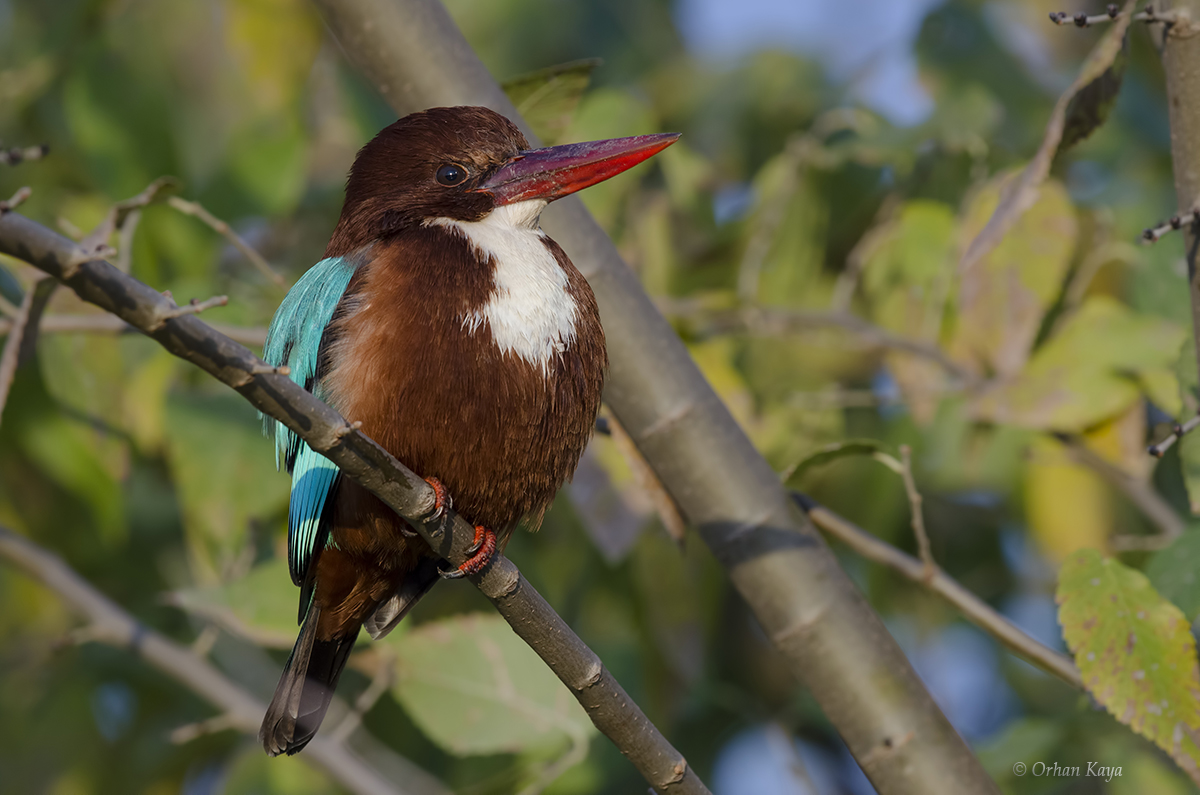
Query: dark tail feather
{"x": 304, "y": 689}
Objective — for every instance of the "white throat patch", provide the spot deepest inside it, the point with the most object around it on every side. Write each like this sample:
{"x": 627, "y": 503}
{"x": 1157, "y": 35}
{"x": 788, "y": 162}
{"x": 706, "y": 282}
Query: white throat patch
{"x": 530, "y": 311}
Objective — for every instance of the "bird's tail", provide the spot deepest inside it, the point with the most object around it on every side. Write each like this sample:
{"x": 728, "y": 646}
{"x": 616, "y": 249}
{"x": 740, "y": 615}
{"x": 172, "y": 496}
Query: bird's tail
{"x": 304, "y": 689}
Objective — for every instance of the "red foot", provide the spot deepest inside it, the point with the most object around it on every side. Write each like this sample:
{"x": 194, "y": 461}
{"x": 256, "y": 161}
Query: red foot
{"x": 441, "y": 498}
{"x": 484, "y": 548}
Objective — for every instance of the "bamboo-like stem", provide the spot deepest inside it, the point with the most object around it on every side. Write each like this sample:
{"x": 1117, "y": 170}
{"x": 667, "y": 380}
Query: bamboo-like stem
{"x": 1181, "y": 65}
{"x": 364, "y": 461}
{"x": 834, "y": 643}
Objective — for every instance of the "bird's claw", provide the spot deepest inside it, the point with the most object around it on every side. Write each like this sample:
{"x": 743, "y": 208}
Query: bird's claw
{"x": 441, "y": 499}
{"x": 481, "y": 554}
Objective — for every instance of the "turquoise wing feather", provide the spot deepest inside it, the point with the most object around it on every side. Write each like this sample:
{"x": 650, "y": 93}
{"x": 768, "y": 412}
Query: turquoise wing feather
{"x": 294, "y": 339}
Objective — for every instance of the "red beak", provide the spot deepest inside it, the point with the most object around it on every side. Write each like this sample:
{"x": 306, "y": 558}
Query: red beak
{"x": 557, "y": 171}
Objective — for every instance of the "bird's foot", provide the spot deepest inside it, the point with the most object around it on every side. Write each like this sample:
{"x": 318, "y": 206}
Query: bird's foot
{"x": 441, "y": 498}
{"x": 441, "y": 504}
{"x": 481, "y": 554}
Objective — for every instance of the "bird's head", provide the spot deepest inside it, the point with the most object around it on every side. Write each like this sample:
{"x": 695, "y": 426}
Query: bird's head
{"x": 461, "y": 163}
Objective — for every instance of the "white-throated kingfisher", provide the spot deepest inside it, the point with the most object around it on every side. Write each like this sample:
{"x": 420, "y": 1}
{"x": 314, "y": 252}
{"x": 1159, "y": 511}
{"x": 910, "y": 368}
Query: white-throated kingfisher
{"x": 466, "y": 343}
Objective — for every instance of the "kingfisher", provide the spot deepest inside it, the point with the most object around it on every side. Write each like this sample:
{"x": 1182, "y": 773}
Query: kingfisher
{"x": 446, "y": 322}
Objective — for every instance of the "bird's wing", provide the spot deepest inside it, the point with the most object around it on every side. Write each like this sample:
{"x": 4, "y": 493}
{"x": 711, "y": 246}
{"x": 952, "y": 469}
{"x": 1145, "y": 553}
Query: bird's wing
{"x": 295, "y": 339}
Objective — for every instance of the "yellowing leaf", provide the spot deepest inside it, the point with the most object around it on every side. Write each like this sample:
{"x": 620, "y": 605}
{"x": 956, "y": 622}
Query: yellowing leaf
{"x": 1067, "y": 506}
{"x": 474, "y": 687}
{"x": 1003, "y": 297}
{"x": 1135, "y": 652}
{"x": 1087, "y": 372}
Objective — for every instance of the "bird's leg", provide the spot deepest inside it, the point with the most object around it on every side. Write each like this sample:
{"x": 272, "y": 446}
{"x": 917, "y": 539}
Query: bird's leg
{"x": 481, "y": 553}
{"x": 441, "y": 504}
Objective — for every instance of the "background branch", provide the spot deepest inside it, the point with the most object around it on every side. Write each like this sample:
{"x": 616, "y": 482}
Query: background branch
{"x": 832, "y": 641}
{"x": 972, "y": 607}
{"x": 362, "y": 460}
{"x": 240, "y": 710}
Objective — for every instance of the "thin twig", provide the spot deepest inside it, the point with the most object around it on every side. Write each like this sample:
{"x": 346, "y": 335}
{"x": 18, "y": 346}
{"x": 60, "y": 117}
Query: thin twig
{"x": 779, "y": 320}
{"x": 15, "y": 155}
{"x": 193, "y": 307}
{"x": 1111, "y": 13}
{"x": 915, "y": 504}
{"x": 16, "y": 200}
{"x": 217, "y": 723}
{"x": 365, "y": 462}
{"x": 664, "y": 504}
{"x": 1159, "y": 450}
{"x": 1172, "y": 224}
{"x": 22, "y": 335}
{"x": 1170, "y": 525}
{"x": 972, "y": 607}
{"x": 222, "y": 228}
{"x": 111, "y": 624}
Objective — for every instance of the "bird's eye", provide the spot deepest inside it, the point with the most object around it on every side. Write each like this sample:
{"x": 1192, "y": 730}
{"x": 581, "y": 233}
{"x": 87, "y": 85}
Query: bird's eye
{"x": 451, "y": 174}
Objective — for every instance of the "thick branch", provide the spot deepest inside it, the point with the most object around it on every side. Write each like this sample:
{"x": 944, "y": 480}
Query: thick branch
{"x": 362, "y": 460}
{"x": 415, "y": 55}
{"x": 972, "y": 607}
{"x": 112, "y": 625}
{"x": 1181, "y": 65}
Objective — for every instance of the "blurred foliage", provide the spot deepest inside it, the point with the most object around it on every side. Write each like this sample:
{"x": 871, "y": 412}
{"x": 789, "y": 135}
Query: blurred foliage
{"x": 155, "y": 484}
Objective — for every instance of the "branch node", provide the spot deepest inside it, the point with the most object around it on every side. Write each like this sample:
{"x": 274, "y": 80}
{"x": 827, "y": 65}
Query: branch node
{"x": 1177, "y": 433}
{"x": 1172, "y": 224}
{"x": 193, "y": 307}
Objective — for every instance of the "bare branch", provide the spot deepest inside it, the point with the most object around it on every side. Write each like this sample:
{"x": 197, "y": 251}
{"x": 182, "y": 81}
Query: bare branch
{"x": 1111, "y": 13}
{"x": 16, "y": 155}
{"x": 972, "y": 607}
{"x": 220, "y": 227}
{"x": 1021, "y": 192}
{"x": 364, "y": 461}
{"x": 664, "y": 504}
{"x": 916, "y": 502}
{"x": 1159, "y": 450}
{"x": 193, "y": 307}
{"x": 1172, "y": 224}
{"x": 110, "y": 624}
{"x": 22, "y": 335}
{"x": 17, "y": 199}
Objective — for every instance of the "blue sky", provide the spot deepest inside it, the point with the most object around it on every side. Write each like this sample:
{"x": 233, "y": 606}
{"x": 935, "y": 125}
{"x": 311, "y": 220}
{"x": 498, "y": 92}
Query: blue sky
{"x": 867, "y": 44}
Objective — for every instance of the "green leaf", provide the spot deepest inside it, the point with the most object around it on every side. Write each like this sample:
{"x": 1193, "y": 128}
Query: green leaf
{"x": 474, "y": 687}
{"x": 224, "y": 471}
{"x": 547, "y": 98}
{"x": 260, "y": 606}
{"x": 1090, "y": 107}
{"x": 1134, "y": 651}
{"x": 1003, "y": 297}
{"x": 831, "y": 452}
{"x": 1175, "y": 572}
{"x": 1087, "y": 372}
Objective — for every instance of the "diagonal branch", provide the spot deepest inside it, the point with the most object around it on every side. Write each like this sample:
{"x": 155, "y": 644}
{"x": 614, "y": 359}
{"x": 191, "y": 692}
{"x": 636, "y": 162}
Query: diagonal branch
{"x": 364, "y": 461}
{"x": 971, "y": 606}
{"x": 22, "y": 334}
{"x": 810, "y": 609}
{"x": 109, "y": 623}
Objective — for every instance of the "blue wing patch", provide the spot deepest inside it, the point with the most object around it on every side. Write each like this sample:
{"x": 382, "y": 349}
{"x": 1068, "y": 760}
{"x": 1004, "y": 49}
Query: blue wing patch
{"x": 294, "y": 339}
